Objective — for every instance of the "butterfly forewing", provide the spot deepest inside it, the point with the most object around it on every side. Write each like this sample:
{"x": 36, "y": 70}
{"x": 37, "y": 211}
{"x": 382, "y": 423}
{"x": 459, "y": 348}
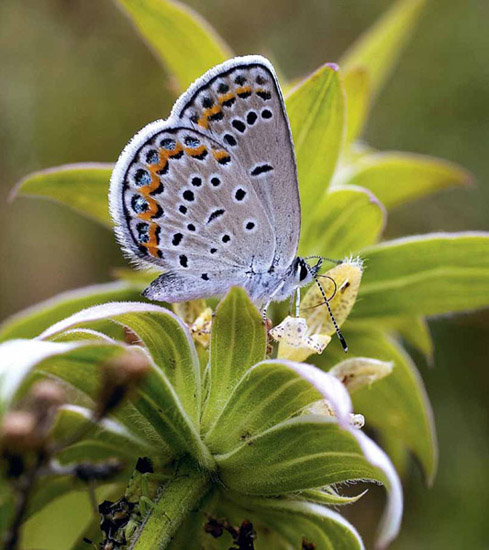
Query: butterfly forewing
{"x": 239, "y": 104}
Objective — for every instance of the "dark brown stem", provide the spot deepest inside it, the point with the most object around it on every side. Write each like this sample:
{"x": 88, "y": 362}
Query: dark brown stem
{"x": 12, "y": 536}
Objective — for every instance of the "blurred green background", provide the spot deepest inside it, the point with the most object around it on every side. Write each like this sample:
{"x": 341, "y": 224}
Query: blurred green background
{"x": 77, "y": 82}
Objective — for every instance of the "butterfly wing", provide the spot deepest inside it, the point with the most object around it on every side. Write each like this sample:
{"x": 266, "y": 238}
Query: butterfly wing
{"x": 183, "y": 202}
{"x": 240, "y": 105}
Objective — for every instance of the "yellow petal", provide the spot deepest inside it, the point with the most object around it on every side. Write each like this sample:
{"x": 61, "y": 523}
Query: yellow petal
{"x": 360, "y": 371}
{"x": 189, "y": 311}
{"x": 341, "y": 294}
{"x": 201, "y": 328}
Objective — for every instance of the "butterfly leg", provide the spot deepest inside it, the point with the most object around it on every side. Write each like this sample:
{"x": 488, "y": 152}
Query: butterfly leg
{"x": 270, "y": 300}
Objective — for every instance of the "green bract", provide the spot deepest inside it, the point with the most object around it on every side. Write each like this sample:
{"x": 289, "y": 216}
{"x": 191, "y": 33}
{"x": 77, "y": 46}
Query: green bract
{"x": 229, "y": 427}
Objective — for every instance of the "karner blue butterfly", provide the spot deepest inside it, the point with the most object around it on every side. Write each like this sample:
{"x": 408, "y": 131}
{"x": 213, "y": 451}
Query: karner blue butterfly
{"x": 210, "y": 195}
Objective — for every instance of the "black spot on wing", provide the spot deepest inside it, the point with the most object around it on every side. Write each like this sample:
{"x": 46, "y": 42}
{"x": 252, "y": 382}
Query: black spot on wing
{"x": 261, "y": 169}
{"x": 216, "y": 214}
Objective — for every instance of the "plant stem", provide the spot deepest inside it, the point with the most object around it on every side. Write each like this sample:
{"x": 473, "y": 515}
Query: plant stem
{"x": 179, "y": 496}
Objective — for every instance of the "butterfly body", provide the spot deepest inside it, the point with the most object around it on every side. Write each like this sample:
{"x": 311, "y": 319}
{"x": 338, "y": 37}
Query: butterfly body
{"x": 210, "y": 195}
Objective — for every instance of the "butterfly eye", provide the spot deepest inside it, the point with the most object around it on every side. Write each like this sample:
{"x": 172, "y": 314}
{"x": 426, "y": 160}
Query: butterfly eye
{"x": 302, "y": 271}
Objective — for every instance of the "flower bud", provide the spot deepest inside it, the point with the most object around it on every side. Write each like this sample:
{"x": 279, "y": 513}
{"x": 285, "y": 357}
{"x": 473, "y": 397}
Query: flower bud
{"x": 130, "y": 337}
{"x": 360, "y": 371}
{"x": 120, "y": 374}
{"x": 19, "y": 432}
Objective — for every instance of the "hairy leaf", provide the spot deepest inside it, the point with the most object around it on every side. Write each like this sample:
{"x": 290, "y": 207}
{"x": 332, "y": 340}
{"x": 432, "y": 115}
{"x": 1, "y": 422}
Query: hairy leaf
{"x": 270, "y": 392}
{"x": 299, "y": 522}
{"x": 327, "y": 496}
{"x": 238, "y": 341}
{"x": 425, "y": 275}
{"x": 33, "y": 320}
{"x": 301, "y": 453}
{"x": 169, "y": 396}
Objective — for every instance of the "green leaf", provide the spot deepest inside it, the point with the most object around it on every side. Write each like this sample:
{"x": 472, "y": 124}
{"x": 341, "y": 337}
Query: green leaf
{"x": 84, "y": 187}
{"x": 139, "y": 279}
{"x": 351, "y": 219}
{"x": 415, "y": 331}
{"x": 297, "y": 521}
{"x": 316, "y": 110}
{"x": 162, "y": 333}
{"x": 356, "y": 84}
{"x": 184, "y": 42}
{"x": 17, "y": 360}
{"x": 269, "y": 393}
{"x": 379, "y": 48}
{"x": 396, "y": 178}
{"x": 238, "y": 341}
{"x": 58, "y": 525}
{"x": 101, "y": 440}
{"x": 32, "y": 321}
{"x": 396, "y": 405}
{"x": 327, "y": 496}
{"x": 301, "y": 453}
{"x": 169, "y": 396}
{"x": 425, "y": 275}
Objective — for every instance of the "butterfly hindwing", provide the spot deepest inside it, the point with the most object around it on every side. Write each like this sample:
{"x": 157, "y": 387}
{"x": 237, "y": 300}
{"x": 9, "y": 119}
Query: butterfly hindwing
{"x": 239, "y": 104}
{"x": 183, "y": 202}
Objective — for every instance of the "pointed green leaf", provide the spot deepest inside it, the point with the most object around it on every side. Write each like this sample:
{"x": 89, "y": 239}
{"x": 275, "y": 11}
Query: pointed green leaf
{"x": 310, "y": 451}
{"x": 301, "y": 453}
{"x": 33, "y": 320}
{"x": 380, "y": 47}
{"x": 161, "y": 332}
{"x": 327, "y": 496}
{"x": 77, "y": 364}
{"x": 169, "y": 396}
{"x": 183, "y": 41}
{"x": 238, "y": 341}
{"x": 396, "y": 178}
{"x": 351, "y": 219}
{"x": 425, "y": 275}
{"x": 84, "y": 187}
{"x": 357, "y": 91}
{"x": 297, "y": 521}
{"x": 269, "y": 393}
{"x": 316, "y": 110}
{"x": 396, "y": 405}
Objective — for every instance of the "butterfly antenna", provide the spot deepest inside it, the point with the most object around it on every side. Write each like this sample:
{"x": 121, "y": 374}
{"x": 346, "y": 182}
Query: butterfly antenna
{"x": 337, "y": 262}
{"x": 326, "y": 301}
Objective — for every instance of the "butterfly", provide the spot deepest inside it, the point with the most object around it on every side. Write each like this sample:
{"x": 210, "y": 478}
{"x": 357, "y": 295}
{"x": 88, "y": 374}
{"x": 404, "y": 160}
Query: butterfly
{"x": 211, "y": 196}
